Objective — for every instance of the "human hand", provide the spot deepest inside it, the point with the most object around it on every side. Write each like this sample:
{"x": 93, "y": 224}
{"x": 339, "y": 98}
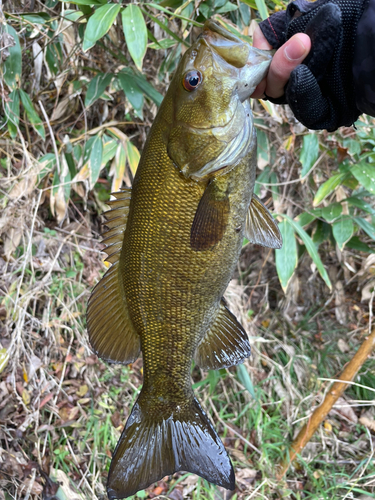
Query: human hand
{"x": 287, "y": 57}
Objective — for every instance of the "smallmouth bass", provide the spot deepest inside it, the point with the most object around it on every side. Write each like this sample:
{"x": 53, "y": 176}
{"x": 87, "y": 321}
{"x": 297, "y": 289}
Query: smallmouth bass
{"x": 173, "y": 242}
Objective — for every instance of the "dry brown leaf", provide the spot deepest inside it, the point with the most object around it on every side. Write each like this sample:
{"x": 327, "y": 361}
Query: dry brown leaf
{"x": 36, "y": 488}
{"x": 246, "y": 477}
{"x": 12, "y": 240}
{"x": 368, "y": 422}
{"x": 343, "y": 408}
{"x": 343, "y": 346}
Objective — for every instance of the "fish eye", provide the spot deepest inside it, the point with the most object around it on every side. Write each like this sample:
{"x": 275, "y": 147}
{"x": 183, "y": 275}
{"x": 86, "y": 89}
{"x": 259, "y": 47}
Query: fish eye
{"x": 191, "y": 80}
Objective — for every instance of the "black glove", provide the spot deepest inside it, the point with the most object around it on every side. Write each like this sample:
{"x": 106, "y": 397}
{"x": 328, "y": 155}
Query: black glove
{"x": 320, "y": 91}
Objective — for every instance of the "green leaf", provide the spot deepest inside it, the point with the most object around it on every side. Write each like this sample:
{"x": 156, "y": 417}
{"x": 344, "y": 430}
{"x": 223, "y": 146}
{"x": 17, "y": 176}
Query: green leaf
{"x": 287, "y": 256}
{"x": 228, "y": 7}
{"x": 366, "y": 226}
{"x": 132, "y": 92}
{"x": 32, "y": 115}
{"x": 99, "y": 23}
{"x": 322, "y": 233}
{"x": 343, "y": 230}
{"x": 306, "y": 218}
{"x": 13, "y": 63}
{"x": 12, "y": 112}
{"x": 166, "y": 43}
{"x": 148, "y": 89}
{"x": 365, "y": 174}
{"x": 356, "y": 244}
{"x": 327, "y": 187}
{"x": 263, "y": 149}
{"x": 245, "y": 379}
{"x": 332, "y": 212}
{"x": 353, "y": 201}
{"x": 95, "y": 162}
{"x": 311, "y": 248}
{"x": 309, "y": 153}
{"x": 262, "y": 7}
{"x": 135, "y": 31}
{"x": 263, "y": 178}
{"x": 164, "y": 26}
{"x": 178, "y": 16}
{"x": 96, "y": 88}
{"x": 84, "y": 2}
{"x": 109, "y": 150}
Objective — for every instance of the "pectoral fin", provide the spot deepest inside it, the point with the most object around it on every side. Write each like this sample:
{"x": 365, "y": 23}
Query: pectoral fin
{"x": 211, "y": 218}
{"x": 261, "y": 227}
{"x": 225, "y": 344}
{"x": 111, "y": 332}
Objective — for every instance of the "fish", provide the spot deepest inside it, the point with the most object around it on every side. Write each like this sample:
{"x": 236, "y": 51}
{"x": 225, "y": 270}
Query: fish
{"x": 173, "y": 241}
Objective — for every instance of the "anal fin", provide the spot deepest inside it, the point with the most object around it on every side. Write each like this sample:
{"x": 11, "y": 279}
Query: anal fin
{"x": 225, "y": 344}
{"x": 111, "y": 332}
{"x": 261, "y": 227}
{"x": 211, "y": 218}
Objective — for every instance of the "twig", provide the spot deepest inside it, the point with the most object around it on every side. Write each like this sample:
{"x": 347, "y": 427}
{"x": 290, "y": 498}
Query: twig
{"x": 333, "y": 395}
{"x": 52, "y": 136}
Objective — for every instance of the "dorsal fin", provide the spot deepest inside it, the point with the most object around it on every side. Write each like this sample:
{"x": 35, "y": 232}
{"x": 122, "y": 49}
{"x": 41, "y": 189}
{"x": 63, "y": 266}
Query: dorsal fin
{"x": 225, "y": 344}
{"x": 261, "y": 227}
{"x": 211, "y": 218}
{"x": 111, "y": 332}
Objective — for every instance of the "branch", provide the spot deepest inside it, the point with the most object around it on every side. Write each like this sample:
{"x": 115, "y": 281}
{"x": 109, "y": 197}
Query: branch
{"x": 307, "y": 431}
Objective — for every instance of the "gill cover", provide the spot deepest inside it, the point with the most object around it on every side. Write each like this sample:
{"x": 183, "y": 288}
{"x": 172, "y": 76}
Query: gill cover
{"x": 212, "y": 122}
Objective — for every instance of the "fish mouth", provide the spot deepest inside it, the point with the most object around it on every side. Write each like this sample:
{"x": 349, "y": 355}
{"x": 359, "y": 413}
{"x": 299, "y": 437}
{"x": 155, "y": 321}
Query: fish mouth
{"x": 252, "y": 64}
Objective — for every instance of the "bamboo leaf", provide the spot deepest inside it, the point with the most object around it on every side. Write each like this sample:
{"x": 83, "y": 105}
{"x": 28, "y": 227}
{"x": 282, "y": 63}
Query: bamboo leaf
{"x": 286, "y": 256}
{"x": 332, "y": 212}
{"x": 12, "y": 112}
{"x": 262, "y": 7}
{"x": 32, "y": 115}
{"x": 132, "y": 92}
{"x": 95, "y": 161}
{"x": 365, "y": 174}
{"x": 133, "y": 156}
{"x": 120, "y": 163}
{"x": 311, "y": 248}
{"x": 13, "y": 63}
{"x": 343, "y": 230}
{"x": 164, "y": 26}
{"x": 366, "y": 226}
{"x": 327, "y": 187}
{"x": 135, "y": 31}
{"x": 96, "y": 88}
{"x": 245, "y": 379}
{"x": 99, "y": 24}
{"x": 309, "y": 153}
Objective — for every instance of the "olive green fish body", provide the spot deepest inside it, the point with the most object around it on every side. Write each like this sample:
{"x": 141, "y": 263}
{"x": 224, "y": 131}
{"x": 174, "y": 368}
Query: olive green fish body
{"x": 173, "y": 242}
{"x": 173, "y": 291}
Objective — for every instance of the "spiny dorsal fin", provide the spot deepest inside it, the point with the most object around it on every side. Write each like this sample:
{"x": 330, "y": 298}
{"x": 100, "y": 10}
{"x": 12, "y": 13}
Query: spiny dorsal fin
{"x": 116, "y": 219}
{"x": 111, "y": 332}
{"x": 211, "y": 218}
{"x": 225, "y": 344}
{"x": 261, "y": 227}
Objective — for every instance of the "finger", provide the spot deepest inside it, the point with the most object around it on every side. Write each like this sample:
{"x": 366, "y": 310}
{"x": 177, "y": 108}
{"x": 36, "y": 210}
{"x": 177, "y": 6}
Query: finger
{"x": 260, "y": 90}
{"x": 260, "y": 41}
{"x": 288, "y": 57}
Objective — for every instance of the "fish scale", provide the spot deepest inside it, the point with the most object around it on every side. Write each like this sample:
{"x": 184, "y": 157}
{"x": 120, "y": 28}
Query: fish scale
{"x": 175, "y": 250}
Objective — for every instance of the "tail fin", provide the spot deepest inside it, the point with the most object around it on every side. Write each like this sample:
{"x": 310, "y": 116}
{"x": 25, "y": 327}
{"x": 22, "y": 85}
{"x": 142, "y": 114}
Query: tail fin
{"x": 152, "y": 448}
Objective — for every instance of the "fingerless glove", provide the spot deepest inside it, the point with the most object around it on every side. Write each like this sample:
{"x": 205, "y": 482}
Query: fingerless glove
{"x": 321, "y": 90}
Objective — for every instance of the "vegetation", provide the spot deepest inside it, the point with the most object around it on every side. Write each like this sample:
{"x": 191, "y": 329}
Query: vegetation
{"x": 79, "y": 90}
